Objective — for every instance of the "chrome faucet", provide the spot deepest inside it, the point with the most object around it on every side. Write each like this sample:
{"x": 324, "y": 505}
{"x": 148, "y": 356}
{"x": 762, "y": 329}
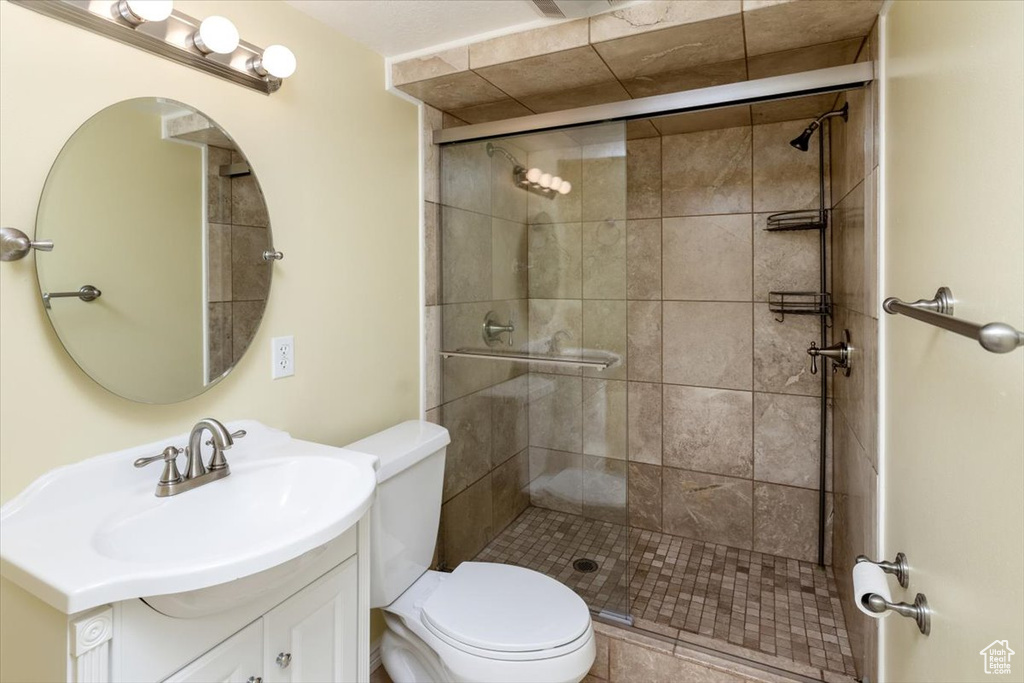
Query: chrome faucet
{"x": 172, "y": 482}
{"x": 221, "y": 441}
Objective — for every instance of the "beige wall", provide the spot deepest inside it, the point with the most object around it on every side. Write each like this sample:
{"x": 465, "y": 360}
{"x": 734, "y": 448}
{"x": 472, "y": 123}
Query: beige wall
{"x": 124, "y": 338}
{"x": 953, "y": 458}
{"x": 337, "y": 158}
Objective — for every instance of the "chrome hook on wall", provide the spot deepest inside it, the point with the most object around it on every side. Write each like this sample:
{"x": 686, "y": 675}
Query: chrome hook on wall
{"x": 86, "y": 293}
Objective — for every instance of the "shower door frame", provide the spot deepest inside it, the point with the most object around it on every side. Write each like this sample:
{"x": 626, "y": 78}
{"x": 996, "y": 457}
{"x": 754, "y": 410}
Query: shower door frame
{"x": 790, "y": 86}
{"x": 817, "y": 82}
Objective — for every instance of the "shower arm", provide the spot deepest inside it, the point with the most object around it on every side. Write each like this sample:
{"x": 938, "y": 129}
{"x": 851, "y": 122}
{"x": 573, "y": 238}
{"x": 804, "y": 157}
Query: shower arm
{"x": 492, "y": 148}
{"x": 844, "y": 112}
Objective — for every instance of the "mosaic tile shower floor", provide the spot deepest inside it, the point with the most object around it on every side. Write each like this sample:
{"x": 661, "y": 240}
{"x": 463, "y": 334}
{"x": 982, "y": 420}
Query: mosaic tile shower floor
{"x": 761, "y": 603}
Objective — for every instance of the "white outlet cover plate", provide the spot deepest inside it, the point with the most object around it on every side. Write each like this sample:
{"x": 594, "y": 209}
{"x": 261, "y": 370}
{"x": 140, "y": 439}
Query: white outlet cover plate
{"x": 282, "y": 357}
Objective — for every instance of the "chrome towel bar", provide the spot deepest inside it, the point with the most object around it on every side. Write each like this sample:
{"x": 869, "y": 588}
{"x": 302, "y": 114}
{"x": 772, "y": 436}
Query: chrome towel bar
{"x": 598, "y": 364}
{"x": 938, "y": 311}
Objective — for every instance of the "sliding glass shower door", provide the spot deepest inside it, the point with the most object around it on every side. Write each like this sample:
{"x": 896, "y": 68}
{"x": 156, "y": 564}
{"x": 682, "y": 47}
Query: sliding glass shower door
{"x": 533, "y": 267}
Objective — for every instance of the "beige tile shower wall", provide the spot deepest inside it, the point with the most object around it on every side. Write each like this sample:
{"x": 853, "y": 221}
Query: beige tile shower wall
{"x": 476, "y": 255}
{"x": 577, "y": 299}
{"x": 651, "y": 48}
{"x": 712, "y": 413}
{"x": 722, "y": 414}
{"x": 854, "y": 155}
{"x": 238, "y": 277}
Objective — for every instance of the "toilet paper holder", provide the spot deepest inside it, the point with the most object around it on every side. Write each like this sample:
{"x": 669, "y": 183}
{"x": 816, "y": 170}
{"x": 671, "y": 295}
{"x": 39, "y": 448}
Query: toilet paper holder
{"x": 898, "y": 568}
{"x": 919, "y": 611}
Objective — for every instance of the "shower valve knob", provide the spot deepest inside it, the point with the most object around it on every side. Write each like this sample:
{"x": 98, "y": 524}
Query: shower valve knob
{"x": 839, "y": 353}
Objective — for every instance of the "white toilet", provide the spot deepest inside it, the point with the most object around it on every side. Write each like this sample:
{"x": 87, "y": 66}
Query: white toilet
{"x": 482, "y": 622}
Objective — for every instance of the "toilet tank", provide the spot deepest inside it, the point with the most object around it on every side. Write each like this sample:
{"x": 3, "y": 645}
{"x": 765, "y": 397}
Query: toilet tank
{"x": 407, "y": 509}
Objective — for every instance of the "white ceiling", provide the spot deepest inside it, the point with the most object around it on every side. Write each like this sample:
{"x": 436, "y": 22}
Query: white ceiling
{"x": 399, "y": 27}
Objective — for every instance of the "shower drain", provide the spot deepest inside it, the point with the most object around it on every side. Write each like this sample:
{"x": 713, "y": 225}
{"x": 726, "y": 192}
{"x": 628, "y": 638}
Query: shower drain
{"x": 585, "y": 565}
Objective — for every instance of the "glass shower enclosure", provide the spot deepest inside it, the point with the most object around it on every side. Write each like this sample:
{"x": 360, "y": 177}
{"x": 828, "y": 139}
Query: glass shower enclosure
{"x": 533, "y": 337}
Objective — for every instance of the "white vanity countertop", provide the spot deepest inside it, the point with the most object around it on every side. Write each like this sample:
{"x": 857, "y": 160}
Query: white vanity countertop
{"x": 94, "y": 533}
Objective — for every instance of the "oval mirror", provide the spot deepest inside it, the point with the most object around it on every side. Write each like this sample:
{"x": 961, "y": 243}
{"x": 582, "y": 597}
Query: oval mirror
{"x": 157, "y": 280}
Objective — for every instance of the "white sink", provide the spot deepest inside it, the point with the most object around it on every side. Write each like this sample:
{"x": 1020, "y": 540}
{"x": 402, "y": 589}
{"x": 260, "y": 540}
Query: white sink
{"x": 94, "y": 533}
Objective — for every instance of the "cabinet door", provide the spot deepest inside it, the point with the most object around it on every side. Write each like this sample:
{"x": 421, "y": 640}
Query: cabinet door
{"x": 239, "y": 659}
{"x": 312, "y": 637}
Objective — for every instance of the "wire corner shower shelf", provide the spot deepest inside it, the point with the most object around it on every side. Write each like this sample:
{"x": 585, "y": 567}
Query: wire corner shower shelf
{"x": 791, "y": 221}
{"x": 799, "y": 303}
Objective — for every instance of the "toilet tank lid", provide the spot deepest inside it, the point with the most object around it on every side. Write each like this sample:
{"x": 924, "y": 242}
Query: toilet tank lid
{"x": 402, "y": 446}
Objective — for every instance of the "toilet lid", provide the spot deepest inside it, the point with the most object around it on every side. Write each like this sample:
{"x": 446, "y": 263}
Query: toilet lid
{"x": 505, "y": 608}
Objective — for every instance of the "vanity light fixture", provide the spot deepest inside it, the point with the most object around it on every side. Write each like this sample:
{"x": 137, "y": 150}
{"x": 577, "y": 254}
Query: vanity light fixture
{"x": 211, "y": 44}
{"x": 276, "y": 60}
{"x": 138, "y": 12}
{"x": 216, "y": 34}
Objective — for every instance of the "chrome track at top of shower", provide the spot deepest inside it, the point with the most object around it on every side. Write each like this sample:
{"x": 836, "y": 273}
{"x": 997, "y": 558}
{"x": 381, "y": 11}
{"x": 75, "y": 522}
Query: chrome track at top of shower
{"x": 819, "y": 81}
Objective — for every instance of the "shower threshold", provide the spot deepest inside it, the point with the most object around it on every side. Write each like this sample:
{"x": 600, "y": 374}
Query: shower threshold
{"x": 775, "y": 611}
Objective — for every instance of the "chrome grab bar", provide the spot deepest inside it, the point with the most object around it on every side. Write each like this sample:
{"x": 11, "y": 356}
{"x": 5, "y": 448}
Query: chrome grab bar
{"x": 527, "y": 358}
{"x": 938, "y": 311}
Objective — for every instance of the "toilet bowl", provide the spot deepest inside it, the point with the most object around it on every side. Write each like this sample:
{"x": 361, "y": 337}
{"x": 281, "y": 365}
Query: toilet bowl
{"x": 488, "y": 622}
{"x": 483, "y": 621}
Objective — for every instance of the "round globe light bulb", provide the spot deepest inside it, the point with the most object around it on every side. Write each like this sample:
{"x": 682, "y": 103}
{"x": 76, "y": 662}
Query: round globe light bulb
{"x": 565, "y": 188}
{"x": 150, "y": 10}
{"x": 217, "y": 34}
{"x": 556, "y": 182}
{"x": 278, "y": 61}
{"x": 533, "y": 175}
{"x": 545, "y": 181}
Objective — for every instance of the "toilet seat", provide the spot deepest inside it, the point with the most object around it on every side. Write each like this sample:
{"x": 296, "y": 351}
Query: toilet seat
{"x": 505, "y": 612}
{"x": 565, "y": 662}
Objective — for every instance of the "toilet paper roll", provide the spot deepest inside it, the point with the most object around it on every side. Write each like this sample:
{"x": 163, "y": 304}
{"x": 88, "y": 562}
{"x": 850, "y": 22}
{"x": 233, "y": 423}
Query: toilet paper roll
{"x": 869, "y": 578}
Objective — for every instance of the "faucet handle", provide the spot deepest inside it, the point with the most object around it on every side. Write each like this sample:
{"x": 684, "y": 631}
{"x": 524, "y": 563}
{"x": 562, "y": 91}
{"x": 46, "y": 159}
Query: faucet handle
{"x": 168, "y": 454}
{"x": 217, "y": 460}
{"x": 170, "y": 475}
{"x": 234, "y": 435}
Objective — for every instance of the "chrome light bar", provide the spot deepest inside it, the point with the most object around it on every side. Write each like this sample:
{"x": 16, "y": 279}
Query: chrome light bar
{"x": 171, "y": 38}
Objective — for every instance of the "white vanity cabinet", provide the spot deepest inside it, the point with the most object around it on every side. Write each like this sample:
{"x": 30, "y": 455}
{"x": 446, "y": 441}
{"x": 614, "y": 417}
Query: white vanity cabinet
{"x": 312, "y": 636}
{"x": 306, "y": 620}
{"x": 239, "y": 659}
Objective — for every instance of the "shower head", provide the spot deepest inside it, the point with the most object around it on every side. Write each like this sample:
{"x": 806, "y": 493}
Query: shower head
{"x": 803, "y": 141}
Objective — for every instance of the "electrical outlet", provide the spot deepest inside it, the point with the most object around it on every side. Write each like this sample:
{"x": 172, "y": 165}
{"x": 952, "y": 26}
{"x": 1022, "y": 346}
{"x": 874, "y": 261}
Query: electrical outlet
{"x": 282, "y": 357}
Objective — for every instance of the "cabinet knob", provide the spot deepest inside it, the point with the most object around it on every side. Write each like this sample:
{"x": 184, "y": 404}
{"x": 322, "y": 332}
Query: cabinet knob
{"x": 284, "y": 659}
{"x": 254, "y": 679}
